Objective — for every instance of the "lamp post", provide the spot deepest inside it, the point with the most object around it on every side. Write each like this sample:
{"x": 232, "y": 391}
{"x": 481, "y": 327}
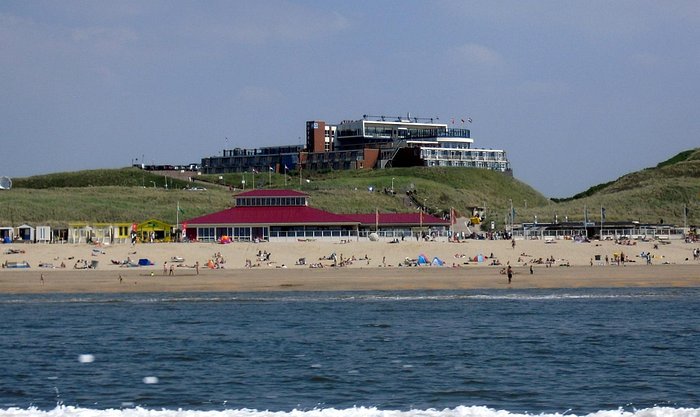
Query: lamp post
{"x": 512, "y": 220}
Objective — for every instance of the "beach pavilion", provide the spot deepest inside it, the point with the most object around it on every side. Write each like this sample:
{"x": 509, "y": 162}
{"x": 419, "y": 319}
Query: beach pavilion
{"x": 264, "y": 215}
{"x": 400, "y": 225}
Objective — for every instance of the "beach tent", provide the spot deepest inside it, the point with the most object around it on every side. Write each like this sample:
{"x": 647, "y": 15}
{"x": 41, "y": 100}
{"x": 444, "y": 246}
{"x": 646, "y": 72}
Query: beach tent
{"x": 437, "y": 262}
{"x": 145, "y": 262}
{"x": 422, "y": 260}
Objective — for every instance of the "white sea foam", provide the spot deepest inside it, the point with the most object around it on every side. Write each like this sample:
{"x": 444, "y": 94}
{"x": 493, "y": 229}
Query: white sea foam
{"x": 86, "y": 358}
{"x": 461, "y": 411}
{"x": 348, "y": 297}
{"x": 150, "y": 380}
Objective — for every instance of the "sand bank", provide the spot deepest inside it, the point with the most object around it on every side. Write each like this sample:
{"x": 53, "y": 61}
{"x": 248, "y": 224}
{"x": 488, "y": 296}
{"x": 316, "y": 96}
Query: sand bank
{"x": 672, "y": 265}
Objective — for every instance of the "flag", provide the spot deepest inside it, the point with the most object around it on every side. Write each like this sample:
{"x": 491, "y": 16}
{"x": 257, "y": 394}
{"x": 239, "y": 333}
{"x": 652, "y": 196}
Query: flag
{"x": 469, "y": 119}
{"x": 462, "y": 121}
{"x": 602, "y": 213}
{"x": 271, "y": 169}
{"x": 255, "y": 171}
{"x": 180, "y": 210}
{"x": 286, "y": 168}
{"x": 686, "y": 211}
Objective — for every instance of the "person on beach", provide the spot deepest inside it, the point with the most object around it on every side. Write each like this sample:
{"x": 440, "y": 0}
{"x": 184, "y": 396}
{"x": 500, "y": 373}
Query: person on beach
{"x": 165, "y": 268}
{"x": 196, "y": 267}
{"x": 509, "y": 271}
{"x": 512, "y": 243}
{"x": 120, "y": 279}
{"x": 531, "y": 270}
{"x": 172, "y": 269}
{"x": 41, "y": 279}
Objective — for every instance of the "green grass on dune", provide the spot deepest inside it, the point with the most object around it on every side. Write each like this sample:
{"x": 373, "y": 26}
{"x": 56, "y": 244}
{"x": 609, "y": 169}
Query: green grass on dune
{"x": 129, "y": 194}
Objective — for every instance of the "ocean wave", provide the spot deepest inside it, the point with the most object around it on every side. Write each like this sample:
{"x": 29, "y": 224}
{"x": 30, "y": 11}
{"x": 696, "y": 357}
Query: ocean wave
{"x": 345, "y": 297}
{"x": 461, "y": 411}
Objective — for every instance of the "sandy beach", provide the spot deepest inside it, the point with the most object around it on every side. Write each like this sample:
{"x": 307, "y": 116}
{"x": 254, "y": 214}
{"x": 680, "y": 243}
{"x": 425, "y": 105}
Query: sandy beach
{"x": 367, "y": 266}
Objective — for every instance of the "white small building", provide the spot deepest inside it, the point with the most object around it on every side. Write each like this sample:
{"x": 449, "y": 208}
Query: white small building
{"x": 26, "y": 233}
{"x": 43, "y": 234}
{"x": 7, "y": 234}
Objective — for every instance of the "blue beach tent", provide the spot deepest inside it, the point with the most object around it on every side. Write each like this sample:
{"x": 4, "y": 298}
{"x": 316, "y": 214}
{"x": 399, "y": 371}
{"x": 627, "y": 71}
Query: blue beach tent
{"x": 437, "y": 261}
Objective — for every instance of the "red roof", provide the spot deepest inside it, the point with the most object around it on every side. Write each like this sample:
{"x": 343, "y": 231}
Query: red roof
{"x": 272, "y": 193}
{"x": 398, "y": 219}
{"x": 275, "y": 215}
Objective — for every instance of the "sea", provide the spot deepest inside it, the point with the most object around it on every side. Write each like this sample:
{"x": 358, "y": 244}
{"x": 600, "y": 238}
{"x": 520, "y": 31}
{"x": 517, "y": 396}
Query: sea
{"x": 489, "y": 353}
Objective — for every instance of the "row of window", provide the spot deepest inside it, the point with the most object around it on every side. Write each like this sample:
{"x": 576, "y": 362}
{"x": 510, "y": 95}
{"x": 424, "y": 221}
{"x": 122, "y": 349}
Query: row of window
{"x": 451, "y": 153}
{"x": 270, "y": 201}
{"x": 496, "y": 166}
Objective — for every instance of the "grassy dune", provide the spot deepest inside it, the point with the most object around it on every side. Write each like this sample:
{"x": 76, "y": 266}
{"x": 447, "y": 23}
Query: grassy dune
{"x": 130, "y": 194}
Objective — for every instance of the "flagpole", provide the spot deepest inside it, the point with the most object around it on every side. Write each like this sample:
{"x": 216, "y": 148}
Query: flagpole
{"x": 269, "y": 177}
{"x": 602, "y": 220}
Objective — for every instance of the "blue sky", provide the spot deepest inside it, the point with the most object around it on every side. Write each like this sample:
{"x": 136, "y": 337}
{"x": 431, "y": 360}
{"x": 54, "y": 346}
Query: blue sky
{"x": 577, "y": 92}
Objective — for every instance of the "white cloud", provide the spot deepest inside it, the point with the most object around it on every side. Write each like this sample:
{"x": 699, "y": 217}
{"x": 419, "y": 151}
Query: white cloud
{"x": 478, "y": 55}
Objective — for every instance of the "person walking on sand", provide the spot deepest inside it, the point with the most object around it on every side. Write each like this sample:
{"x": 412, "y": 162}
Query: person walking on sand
{"x": 512, "y": 243}
{"x": 41, "y": 279}
{"x": 509, "y": 271}
{"x": 120, "y": 279}
{"x": 196, "y": 267}
{"x": 172, "y": 269}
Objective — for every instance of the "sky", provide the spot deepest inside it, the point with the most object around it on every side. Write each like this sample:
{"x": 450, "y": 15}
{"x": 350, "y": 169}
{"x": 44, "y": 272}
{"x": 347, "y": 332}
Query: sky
{"x": 576, "y": 92}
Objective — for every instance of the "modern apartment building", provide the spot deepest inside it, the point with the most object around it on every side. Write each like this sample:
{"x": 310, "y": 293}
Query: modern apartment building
{"x": 367, "y": 143}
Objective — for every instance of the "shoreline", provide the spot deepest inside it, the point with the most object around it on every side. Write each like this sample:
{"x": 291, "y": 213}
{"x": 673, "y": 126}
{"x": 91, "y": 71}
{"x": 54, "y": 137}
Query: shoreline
{"x": 344, "y": 279}
{"x": 672, "y": 266}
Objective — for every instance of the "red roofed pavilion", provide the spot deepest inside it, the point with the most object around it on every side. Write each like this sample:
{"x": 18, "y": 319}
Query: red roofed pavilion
{"x": 282, "y": 214}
